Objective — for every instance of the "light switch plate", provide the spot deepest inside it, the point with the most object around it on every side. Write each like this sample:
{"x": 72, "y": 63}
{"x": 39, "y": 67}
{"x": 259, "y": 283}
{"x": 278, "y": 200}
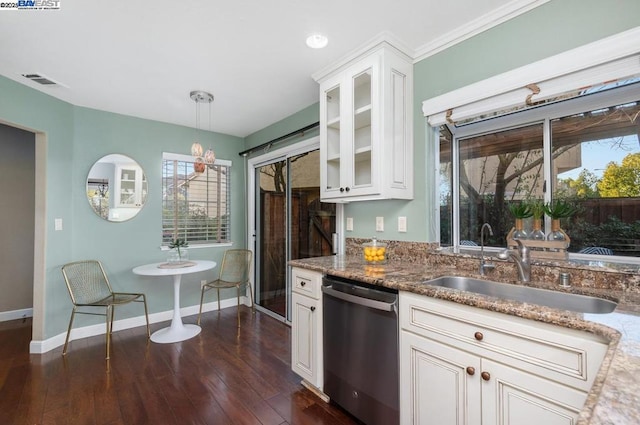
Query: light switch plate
{"x": 349, "y": 224}
{"x": 402, "y": 224}
{"x": 58, "y": 224}
{"x": 379, "y": 224}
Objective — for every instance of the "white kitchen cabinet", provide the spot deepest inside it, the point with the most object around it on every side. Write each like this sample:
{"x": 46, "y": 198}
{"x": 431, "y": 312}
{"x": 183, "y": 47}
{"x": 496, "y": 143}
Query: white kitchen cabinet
{"x": 306, "y": 328}
{"x": 515, "y": 397}
{"x": 130, "y": 186}
{"x": 464, "y": 365}
{"x": 366, "y": 134}
{"x": 433, "y": 378}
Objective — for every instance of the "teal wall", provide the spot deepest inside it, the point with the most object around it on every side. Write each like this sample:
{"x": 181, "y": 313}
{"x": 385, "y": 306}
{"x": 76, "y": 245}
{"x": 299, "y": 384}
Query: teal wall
{"x": 300, "y": 119}
{"x": 76, "y": 138}
{"x": 552, "y": 28}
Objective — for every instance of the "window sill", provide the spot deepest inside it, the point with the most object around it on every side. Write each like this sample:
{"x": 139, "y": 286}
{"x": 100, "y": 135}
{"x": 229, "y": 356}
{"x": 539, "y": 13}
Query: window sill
{"x": 199, "y": 246}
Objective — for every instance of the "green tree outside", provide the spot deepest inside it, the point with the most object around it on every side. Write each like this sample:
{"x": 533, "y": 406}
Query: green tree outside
{"x": 584, "y": 186}
{"x": 621, "y": 181}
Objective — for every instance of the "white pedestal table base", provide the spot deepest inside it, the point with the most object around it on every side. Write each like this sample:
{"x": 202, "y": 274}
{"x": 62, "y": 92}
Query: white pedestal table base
{"x": 177, "y": 331}
{"x": 168, "y": 335}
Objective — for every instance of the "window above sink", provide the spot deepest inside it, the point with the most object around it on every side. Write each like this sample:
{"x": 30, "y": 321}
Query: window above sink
{"x": 564, "y": 127}
{"x": 585, "y": 151}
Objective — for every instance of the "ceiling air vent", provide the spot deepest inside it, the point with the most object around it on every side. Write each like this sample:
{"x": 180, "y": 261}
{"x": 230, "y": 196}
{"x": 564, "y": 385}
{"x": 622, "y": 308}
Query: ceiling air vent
{"x": 41, "y": 79}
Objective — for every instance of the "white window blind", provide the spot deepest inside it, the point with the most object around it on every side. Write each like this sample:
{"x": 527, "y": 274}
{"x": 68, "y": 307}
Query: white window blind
{"x": 196, "y": 207}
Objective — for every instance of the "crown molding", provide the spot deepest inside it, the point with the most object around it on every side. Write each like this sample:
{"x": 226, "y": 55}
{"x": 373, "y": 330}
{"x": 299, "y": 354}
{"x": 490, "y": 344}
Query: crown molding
{"x": 475, "y": 27}
{"x": 483, "y": 23}
{"x": 384, "y": 38}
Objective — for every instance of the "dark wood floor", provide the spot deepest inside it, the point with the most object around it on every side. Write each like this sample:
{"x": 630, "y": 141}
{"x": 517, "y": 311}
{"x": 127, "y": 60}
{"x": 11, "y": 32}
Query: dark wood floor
{"x": 225, "y": 375}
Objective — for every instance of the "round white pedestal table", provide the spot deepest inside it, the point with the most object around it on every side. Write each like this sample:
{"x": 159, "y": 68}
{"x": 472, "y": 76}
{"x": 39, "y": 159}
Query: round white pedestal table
{"x": 178, "y": 331}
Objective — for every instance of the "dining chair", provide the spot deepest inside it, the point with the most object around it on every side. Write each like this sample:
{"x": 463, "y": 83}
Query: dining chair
{"x": 89, "y": 288}
{"x": 234, "y": 272}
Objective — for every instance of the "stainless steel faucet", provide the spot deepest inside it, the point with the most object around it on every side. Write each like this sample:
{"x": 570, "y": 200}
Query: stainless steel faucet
{"x": 522, "y": 258}
{"x": 484, "y": 265}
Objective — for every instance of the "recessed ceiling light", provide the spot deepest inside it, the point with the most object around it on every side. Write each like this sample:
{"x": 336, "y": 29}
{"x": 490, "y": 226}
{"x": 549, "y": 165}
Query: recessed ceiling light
{"x": 317, "y": 41}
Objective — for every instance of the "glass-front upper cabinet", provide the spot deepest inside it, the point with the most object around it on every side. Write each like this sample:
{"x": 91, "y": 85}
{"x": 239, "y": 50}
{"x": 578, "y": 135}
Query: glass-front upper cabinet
{"x": 362, "y": 137}
{"x": 366, "y": 141}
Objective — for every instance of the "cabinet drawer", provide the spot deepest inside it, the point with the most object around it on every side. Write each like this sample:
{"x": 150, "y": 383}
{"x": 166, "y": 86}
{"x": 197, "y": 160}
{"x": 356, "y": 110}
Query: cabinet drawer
{"x": 565, "y": 355}
{"x": 306, "y": 282}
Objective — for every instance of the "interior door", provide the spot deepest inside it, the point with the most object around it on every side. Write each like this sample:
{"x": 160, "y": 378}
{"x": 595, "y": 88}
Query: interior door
{"x": 291, "y": 223}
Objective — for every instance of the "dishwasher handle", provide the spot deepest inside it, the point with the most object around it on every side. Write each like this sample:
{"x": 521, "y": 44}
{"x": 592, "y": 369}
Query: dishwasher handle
{"x": 366, "y": 302}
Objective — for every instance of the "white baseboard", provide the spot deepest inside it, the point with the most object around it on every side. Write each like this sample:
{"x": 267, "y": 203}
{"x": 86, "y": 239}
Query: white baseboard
{"x": 40, "y": 347}
{"x": 5, "y": 316}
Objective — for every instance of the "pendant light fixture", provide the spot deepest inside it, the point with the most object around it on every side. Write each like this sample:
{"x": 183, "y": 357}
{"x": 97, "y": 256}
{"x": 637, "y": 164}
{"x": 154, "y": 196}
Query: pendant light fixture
{"x": 209, "y": 157}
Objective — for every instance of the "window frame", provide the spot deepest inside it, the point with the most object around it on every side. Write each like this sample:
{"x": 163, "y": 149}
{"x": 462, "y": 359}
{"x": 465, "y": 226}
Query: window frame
{"x": 169, "y": 156}
{"x": 543, "y": 114}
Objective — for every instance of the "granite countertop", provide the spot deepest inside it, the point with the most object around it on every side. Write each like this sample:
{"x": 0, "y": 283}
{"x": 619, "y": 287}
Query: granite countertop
{"x": 615, "y": 395}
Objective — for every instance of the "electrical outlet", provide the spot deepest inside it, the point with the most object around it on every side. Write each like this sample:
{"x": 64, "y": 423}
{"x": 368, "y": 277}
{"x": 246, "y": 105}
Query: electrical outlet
{"x": 379, "y": 224}
{"x": 402, "y": 224}
{"x": 349, "y": 224}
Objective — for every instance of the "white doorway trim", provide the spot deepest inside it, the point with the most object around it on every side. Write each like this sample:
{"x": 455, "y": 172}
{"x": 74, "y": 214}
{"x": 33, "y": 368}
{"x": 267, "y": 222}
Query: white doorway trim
{"x": 40, "y": 241}
{"x": 40, "y": 234}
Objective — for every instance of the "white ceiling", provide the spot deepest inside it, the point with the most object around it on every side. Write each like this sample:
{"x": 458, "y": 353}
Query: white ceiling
{"x": 142, "y": 58}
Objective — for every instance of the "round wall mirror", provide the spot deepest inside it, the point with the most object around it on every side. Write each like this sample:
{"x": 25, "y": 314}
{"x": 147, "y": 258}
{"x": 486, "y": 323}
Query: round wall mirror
{"x": 116, "y": 187}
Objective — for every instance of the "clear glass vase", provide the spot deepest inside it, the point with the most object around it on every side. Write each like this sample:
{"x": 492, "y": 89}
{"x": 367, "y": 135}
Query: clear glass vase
{"x": 537, "y": 234}
{"x": 519, "y": 232}
{"x": 178, "y": 256}
{"x": 556, "y": 233}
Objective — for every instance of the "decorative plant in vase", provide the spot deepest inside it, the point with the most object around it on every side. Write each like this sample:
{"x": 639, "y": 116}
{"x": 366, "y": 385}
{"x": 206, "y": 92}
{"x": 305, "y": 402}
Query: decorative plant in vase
{"x": 520, "y": 211}
{"x": 176, "y": 244}
{"x": 556, "y": 210}
{"x": 537, "y": 212}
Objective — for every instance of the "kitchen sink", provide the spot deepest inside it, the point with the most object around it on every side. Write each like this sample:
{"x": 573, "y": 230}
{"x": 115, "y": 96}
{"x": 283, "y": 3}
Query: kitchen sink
{"x": 526, "y": 294}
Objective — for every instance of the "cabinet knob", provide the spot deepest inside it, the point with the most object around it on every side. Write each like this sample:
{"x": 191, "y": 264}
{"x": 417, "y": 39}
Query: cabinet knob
{"x": 342, "y": 189}
{"x": 313, "y": 308}
{"x": 471, "y": 370}
{"x": 485, "y": 375}
{"x": 347, "y": 188}
{"x": 302, "y": 283}
{"x": 478, "y": 336}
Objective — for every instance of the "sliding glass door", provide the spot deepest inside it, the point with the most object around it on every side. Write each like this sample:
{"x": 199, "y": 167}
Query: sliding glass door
{"x": 291, "y": 223}
{"x": 271, "y": 244}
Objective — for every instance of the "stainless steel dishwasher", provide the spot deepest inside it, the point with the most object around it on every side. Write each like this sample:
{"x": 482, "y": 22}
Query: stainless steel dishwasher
{"x": 360, "y": 343}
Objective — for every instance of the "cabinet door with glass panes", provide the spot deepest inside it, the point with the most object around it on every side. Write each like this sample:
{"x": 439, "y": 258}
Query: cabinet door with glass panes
{"x": 332, "y": 152}
{"x": 131, "y": 186}
{"x": 366, "y": 140}
{"x": 346, "y": 135}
